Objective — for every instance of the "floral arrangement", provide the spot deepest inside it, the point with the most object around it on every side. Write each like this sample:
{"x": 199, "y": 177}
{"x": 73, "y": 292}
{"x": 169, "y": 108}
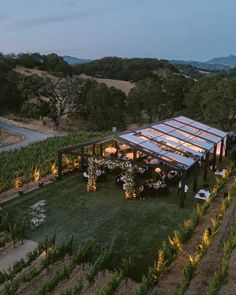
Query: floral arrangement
{"x": 94, "y": 162}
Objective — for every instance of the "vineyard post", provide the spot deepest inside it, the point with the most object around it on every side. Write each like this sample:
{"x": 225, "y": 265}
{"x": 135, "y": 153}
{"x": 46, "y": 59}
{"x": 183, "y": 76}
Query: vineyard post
{"x": 59, "y": 154}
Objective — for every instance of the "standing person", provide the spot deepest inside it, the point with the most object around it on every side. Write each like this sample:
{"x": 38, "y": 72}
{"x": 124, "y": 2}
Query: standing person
{"x": 179, "y": 187}
{"x": 141, "y": 192}
{"x": 185, "y": 190}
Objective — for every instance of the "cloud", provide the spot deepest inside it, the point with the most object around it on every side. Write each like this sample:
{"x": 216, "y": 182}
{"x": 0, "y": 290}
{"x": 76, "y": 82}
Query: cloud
{"x": 51, "y": 19}
{"x": 70, "y": 3}
{"x": 3, "y": 16}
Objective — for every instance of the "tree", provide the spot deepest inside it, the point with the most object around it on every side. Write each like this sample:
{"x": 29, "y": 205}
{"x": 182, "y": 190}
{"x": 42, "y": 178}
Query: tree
{"x": 55, "y": 64}
{"x": 148, "y": 99}
{"x": 30, "y": 60}
{"x": 213, "y": 99}
{"x": 10, "y": 98}
{"x": 220, "y": 102}
{"x": 54, "y": 97}
{"x": 105, "y": 107}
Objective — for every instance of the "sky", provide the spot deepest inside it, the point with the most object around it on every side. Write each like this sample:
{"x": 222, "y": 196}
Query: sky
{"x": 169, "y": 29}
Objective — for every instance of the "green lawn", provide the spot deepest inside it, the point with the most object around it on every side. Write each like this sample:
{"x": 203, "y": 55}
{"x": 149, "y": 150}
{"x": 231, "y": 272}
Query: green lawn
{"x": 138, "y": 227}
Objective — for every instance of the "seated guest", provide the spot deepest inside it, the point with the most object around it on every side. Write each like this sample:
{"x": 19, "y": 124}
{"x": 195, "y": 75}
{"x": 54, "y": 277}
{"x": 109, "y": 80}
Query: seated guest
{"x": 120, "y": 179}
{"x": 98, "y": 172}
{"x": 85, "y": 176}
{"x": 163, "y": 175}
{"x": 141, "y": 170}
{"x": 119, "y": 154}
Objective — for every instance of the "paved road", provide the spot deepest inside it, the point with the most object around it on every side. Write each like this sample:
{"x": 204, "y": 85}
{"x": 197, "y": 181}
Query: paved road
{"x": 29, "y": 135}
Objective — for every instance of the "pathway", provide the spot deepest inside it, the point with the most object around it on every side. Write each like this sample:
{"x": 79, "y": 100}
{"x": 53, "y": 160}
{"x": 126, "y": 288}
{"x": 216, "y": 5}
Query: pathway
{"x": 29, "y": 136}
{"x": 15, "y": 254}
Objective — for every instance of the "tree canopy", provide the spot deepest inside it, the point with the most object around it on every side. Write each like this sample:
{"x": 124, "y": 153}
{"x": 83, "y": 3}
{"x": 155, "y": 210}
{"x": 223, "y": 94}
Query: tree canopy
{"x": 213, "y": 99}
{"x": 133, "y": 69}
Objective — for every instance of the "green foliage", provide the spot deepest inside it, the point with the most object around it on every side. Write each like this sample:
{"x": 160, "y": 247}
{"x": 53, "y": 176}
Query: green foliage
{"x": 100, "y": 264}
{"x": 213, "y": 99}
{"x": 51, "y": 97}
{"x": 206, "y": 239}
{"x": 147, "y": 282}
{"x": 113, "y": 284}
{"x": 123, "y": 68}
{"x": 96, "y": 102}
{"x": 10, "y": 98}
{"x": 37, "y": 155}
{"x": 157, "y": 98}
{"x": 220, "y": 277}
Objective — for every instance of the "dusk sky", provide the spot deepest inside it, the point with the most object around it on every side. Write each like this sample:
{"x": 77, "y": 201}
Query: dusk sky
{"x": 171, "y": 29}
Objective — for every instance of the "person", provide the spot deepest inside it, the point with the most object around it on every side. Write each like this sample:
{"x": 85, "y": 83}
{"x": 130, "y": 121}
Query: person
{"x": 179, "y": 187}
{"x": 98, "y": 172}
{"x": 141, "y": 192}
{"x": 85, "y": 175}
{"x": 185, "y": 190}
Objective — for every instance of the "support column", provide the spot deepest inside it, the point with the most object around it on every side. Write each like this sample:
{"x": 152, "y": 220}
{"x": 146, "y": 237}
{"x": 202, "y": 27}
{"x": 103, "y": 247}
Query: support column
{"x": 214, "y": 159}
{"x": 182, "y": 193}
{"x": 101, "y": 149}
{"x": 206, "y": 167}
{"x": 135, "y": 155}
{"x": 221, "y": 150}
{"x": 82, "y": 158}
{"x": 117, "y": 148}
{"x": 59, "y": 164}
{"x": 226, "y": 146}
{"x": 195, "y": 177}
{"x": 94, "y": 149}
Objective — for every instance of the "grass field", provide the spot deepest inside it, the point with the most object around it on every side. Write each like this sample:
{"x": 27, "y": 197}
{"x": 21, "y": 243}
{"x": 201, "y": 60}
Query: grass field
{"x": 137, "y": 227}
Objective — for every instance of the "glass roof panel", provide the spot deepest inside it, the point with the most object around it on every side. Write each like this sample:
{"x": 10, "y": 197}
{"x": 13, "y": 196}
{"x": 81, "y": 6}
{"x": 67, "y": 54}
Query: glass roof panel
{"x": 184, "y": 136}
{"x": 132, "y": 138}
{"x": 201, "y": 126}
{"x": 218, "y": 132}
{"x": 184, "y": 119}
{"x": 194, "y": 131}
{"x": 171, "y": 141}
{"x": 181, "y": 159}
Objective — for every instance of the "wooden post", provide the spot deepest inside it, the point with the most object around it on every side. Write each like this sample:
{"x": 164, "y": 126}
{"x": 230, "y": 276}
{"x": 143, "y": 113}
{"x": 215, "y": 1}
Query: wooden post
{"x": 226, "y": 146}
{"x": 134, "y": 155}
{"x": 117, "y": 148}
{"x": 59, "y": 164}
{"x": 195, "y": 177}
{"x": 182, "y": 193}
{"x": 101, "y": 149}
{"x": 94, "y": 149}
{"x": 206, "y": 167}
{"x": 214, "y": 159}
{"x": 82, "y": 157}
{"x": 221, "y": 150}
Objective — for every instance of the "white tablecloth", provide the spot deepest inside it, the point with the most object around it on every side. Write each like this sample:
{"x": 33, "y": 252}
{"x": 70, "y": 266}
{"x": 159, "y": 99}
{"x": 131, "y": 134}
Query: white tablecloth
{"x": 202, "y": 191}
{"x": 220, "y": 173}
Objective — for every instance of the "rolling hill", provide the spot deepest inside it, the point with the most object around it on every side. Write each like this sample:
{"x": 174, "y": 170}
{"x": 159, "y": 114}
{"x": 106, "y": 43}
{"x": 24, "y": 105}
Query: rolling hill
{"x": 214, "y": 64}
{"x": 74, "y": 60}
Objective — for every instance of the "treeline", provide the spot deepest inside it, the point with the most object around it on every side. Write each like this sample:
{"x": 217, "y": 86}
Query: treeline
{"x": 52, "y": 63}
{"x": 211, "y": 98}
{"x": 128, "y": 69}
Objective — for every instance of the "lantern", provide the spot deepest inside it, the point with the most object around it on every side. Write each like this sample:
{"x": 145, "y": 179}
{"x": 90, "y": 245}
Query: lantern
{"x": 110, "y": 150}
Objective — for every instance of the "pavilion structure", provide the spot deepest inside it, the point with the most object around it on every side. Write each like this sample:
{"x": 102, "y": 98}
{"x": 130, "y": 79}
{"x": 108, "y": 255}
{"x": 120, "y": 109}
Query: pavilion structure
{"x": 179, "y": 143}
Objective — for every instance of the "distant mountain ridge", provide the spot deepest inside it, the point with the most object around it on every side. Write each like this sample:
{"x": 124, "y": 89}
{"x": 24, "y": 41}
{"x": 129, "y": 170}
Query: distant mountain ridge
{"x": 74, "y": 60}
{"x": 228, "y": 61}
{"x": 214, "y": 64}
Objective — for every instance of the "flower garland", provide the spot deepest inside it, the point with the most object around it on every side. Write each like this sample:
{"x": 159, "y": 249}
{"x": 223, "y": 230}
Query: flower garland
{"x": 126, "y": 166}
